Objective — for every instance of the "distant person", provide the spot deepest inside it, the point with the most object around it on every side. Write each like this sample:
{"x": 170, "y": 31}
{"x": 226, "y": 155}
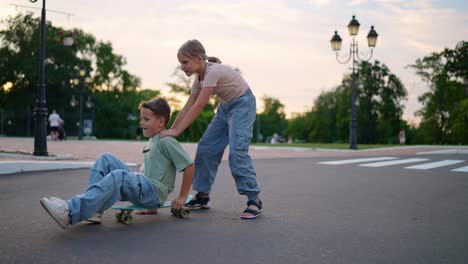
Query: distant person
{"x": 402, "y": 137}
{"x": 55, "y": 123}
{"x": 61, "y": 134}
{"x": 232, "y": 125}
{"x": 111, "y": 180}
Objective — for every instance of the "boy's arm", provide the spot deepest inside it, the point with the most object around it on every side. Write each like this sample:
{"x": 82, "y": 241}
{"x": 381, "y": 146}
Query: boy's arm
{"x": 179, "y": 202}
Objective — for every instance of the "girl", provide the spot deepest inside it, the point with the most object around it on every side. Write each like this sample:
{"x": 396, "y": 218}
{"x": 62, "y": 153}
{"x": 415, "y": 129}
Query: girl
{"x": 232, "y": 125}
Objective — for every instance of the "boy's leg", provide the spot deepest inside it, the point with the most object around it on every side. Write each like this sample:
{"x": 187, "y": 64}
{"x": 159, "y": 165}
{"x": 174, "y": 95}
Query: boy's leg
{"x": 210, "y": 152}
{"x": 103, "y": 166}
{"x": 241, "y": 120}
{"x": 118, "y": 185}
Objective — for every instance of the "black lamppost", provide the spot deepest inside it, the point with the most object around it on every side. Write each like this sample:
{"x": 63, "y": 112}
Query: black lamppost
{"x": 81, "y": 80}
{"x": 40, "y": 112}
{"x": 353, "y": 29}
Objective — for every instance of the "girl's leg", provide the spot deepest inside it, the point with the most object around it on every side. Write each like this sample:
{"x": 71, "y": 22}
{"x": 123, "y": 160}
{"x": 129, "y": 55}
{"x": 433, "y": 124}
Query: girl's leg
{"x": 241, "y": 116}
{"x": 103, "y": 166}
{"x": 118, "y": 185}
{"x": 210, "y": 151}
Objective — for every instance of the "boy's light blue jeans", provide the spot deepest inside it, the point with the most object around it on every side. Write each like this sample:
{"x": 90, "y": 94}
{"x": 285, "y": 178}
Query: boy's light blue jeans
{"x": 233, "y": 125}
{"x": 110, "y": 181}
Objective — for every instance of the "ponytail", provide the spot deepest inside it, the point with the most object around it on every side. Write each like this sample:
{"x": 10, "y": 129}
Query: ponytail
{"x": 213, "y": 59}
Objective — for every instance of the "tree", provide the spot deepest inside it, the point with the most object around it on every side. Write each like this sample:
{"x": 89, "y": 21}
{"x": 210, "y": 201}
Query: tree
{"x": 380, "y": 104}
{"x": 299, "y": 126}
{"x": 19, "y": 66}
{"x": 379, "y": 108}
{"x": 324, "y": 115}
{"x": 444, "y": 112}
{"x": 272, "y": 119}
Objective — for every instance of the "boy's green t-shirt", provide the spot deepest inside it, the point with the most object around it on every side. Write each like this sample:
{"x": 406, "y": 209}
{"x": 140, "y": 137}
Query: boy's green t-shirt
{"x": 162, "y": 158}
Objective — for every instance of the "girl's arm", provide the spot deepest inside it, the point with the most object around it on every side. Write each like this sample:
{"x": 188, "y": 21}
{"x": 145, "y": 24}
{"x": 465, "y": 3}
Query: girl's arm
{"x": 191, "y": 115}
{"x": 190, "y": 101}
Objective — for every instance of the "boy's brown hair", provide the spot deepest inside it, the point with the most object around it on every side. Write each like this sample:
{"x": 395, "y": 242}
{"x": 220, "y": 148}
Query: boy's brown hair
{"x": 159, "y": 107}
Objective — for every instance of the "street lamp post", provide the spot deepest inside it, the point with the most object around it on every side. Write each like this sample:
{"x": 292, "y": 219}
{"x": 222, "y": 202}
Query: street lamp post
{"x": 40, "y": 112}
{"x": 353, "y": 28}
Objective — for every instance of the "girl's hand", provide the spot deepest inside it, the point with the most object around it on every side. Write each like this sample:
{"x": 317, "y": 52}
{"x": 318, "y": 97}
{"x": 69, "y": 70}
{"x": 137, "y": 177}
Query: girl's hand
{"x": 178, "y": 203}
{"x": 168, "y": 132}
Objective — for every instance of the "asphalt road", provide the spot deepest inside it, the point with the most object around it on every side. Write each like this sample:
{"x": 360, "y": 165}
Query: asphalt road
{"x": 314, "y": 213}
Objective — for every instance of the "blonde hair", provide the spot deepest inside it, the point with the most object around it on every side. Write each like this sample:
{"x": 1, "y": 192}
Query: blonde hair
{"x": 193, "y": 48}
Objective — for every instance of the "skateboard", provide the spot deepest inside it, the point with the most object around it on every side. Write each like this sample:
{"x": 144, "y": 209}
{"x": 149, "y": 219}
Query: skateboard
{"x": 125, "y": 211}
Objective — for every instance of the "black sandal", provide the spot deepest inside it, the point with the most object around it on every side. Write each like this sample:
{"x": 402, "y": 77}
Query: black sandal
{"x": 201, "y": 201}
{"x": 254, "y": 213}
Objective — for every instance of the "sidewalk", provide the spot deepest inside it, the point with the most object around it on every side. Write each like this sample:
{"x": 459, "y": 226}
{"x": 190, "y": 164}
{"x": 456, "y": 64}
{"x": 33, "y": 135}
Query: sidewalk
{"x": 81, "y": 154}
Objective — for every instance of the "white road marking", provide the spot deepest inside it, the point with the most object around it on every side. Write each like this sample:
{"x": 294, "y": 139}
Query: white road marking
{"x": 392, "y": 162}
{"x": 349, "y": 161}
{"x": 427, "y": 166}
{"x": 462, "y": 169}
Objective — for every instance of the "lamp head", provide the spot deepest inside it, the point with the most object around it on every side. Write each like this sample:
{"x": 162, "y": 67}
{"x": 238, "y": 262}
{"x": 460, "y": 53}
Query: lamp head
{"x": 336, "y": 41}
{"x": 353, "y": 26}
{"x": 372, "y": 37}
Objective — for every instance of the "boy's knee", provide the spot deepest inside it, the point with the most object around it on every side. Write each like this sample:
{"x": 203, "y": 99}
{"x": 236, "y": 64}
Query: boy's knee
{"x": 107, "y": 156}
{"x": 118, "y": 175}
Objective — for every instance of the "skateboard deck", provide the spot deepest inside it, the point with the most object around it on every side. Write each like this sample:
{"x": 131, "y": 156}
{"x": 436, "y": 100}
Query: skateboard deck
{"x": 125, "y": 211}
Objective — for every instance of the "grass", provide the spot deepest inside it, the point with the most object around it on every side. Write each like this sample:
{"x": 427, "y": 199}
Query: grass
{"x": 326, "y": 145}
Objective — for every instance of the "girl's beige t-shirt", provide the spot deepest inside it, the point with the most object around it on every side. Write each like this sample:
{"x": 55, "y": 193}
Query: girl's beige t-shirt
{"x": 228, "y": 82}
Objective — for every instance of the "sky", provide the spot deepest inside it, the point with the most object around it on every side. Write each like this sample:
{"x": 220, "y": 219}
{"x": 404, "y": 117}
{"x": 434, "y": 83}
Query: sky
{"x": 282, "y": 47}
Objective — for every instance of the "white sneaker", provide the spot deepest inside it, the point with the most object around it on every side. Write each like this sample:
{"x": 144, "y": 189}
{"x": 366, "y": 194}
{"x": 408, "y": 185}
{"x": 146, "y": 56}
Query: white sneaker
{"x": 96, "y": 218}
{"x": 58, "y": 210}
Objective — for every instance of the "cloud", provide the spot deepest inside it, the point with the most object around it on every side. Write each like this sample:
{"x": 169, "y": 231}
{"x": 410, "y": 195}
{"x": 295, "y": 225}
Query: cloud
{"x": 357, "y": 2}
{"x": 320, "y": 3}
{"x": 282, "y": 48}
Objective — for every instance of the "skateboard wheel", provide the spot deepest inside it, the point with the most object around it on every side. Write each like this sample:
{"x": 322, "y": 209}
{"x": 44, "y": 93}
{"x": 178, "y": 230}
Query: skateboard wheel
{"x": 181, "y": 213}
{"x": 174, "y": 211}
{"x": 118, "y": 215}
{"x": 126, "y": 219}
{"x": 184, "y": 213}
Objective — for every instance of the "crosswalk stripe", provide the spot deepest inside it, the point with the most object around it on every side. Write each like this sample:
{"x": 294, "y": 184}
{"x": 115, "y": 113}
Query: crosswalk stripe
{"x": 392, "y": 162}
{"x": 462, "y": 169}
{"x": 432, "y": 165}
{"x": 339, "y": 162}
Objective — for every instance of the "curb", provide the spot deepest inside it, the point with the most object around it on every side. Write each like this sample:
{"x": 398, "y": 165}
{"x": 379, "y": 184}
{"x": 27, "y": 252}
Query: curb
{"x": 10, "y": 167}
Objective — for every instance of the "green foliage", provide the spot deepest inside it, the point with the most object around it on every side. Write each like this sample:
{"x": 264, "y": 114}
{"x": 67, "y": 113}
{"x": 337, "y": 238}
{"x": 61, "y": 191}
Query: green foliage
{"x": 272, "y": 120}
{"x": 324, "y": 114}
{"x": 380, "y": 104}
{"x": 19, "y": 50}
{"x": 444, "y": 111}
{"x": 379, "y": 108}
{"x": 195, "y": 131}
{"x": 119, "y": 113}
{"x": 299, "y": 126}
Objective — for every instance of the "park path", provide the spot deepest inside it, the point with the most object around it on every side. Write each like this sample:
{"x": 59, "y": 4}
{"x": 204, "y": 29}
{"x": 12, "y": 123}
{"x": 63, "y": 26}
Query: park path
{"x": 130, "y": 151}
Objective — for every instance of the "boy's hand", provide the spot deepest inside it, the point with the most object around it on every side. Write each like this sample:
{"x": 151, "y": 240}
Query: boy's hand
{"x": 178, "y": 203}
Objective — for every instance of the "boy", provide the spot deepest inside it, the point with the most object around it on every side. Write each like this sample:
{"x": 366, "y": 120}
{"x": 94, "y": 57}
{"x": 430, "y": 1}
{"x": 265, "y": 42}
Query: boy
{"x": 111, "y": 180}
